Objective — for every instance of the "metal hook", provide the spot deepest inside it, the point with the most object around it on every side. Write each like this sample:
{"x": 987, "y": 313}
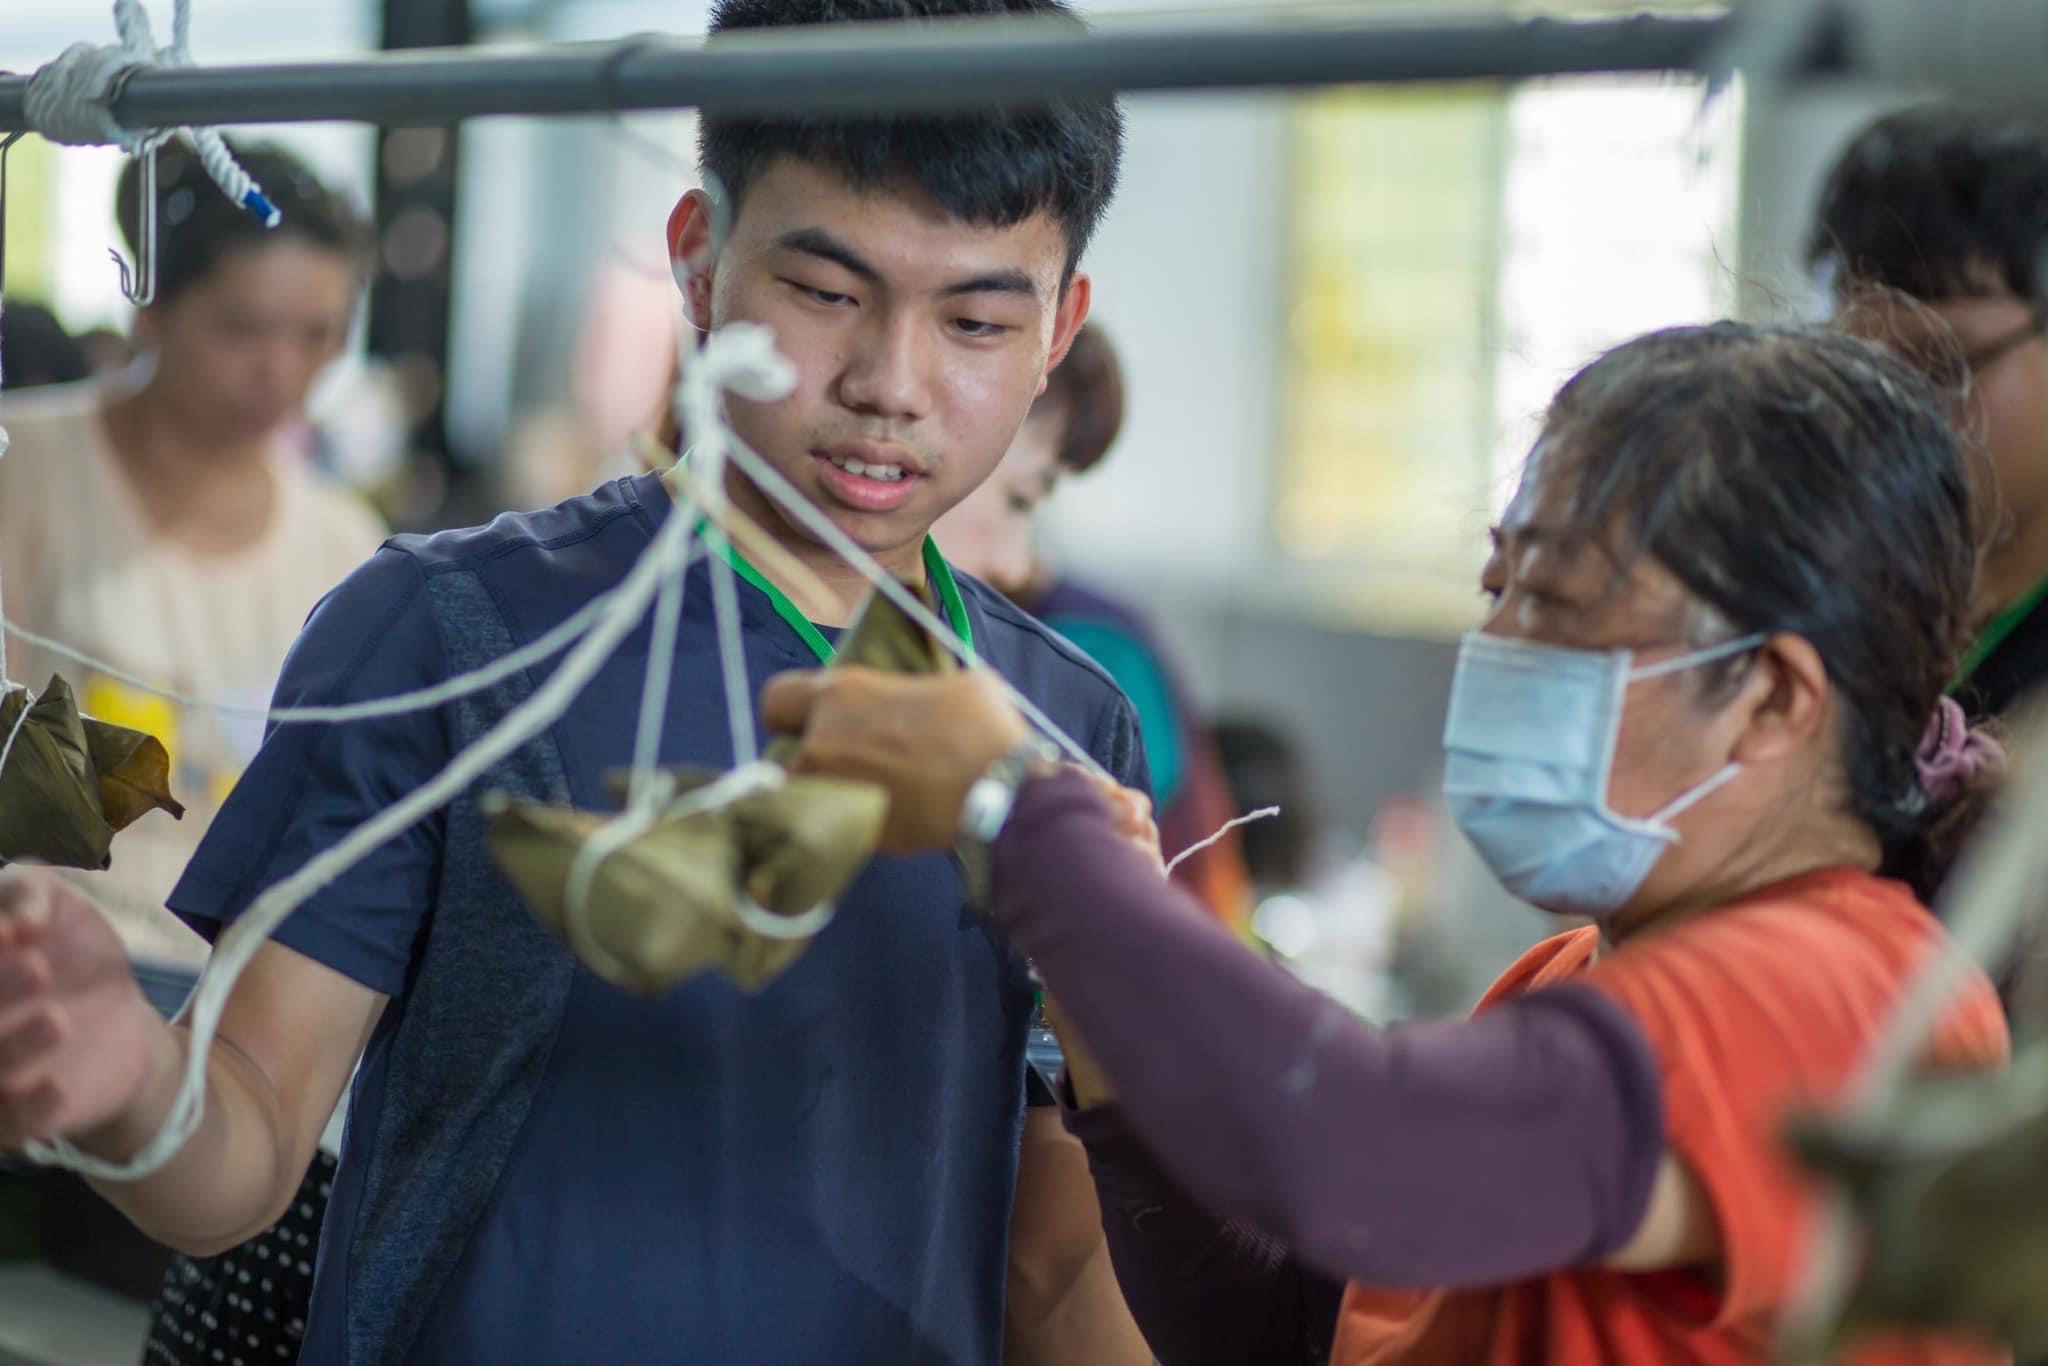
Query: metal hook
{"x": 139, "y": 286}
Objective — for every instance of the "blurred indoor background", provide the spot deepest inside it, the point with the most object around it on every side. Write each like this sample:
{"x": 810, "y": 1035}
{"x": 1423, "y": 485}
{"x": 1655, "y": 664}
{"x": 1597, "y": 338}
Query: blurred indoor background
{"x": 1339, "y": 314}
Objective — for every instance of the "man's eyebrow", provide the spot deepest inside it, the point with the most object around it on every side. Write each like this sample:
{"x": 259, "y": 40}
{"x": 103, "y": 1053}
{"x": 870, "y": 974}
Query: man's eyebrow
{"x": 823, "y": 245}
{"x": 994, "y": 282}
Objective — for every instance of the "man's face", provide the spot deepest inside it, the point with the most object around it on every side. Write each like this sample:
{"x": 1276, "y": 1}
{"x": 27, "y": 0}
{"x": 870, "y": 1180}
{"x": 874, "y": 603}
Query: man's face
{"x": 241, "y": 348}
{"x": 919, "y": 341}
{"x": 1995, "y": 343}
{"x": 989, "y": 533}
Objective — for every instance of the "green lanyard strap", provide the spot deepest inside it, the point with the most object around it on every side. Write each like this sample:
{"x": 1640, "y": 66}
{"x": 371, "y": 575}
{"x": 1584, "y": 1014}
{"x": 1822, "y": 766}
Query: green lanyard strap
{"x": 2002, "y": 626}
{"x": 935, "y": 568}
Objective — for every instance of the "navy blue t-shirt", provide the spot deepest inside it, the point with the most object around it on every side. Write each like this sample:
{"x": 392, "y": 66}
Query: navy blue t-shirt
{"x": 819, "y": 1174}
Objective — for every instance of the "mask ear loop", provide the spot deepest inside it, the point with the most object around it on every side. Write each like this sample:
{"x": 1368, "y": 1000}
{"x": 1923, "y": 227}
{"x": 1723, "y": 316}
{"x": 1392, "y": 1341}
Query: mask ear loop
{"x": 1687, "y": 801}
{"x": 1728, "y": 772}
{"x": 1708, "y": 655}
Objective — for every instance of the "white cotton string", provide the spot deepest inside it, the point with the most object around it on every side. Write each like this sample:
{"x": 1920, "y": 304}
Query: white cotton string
{"x": 740, "y": 357}
{"x": 1263, "y": 813}
{"x": 769, "y": 925}
{"x": 28, "y": 702}
{"x": 402, "y": 704}
{"x": 598, "y": 846}
{"x": 646, "y": 791}
{"x": 798, "y": 508}
{"x": 70, "y": 101}
{"x": 630, "y": 825}
{"x": 240, "y": 941}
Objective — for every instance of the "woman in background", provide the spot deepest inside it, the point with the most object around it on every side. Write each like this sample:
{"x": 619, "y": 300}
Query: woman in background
{"x": 169, "y": 523}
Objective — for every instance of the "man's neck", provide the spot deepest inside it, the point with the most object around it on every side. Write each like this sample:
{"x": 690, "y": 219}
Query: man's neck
{"x": 845, "y": 585}
{"x": 2013, "y": 570}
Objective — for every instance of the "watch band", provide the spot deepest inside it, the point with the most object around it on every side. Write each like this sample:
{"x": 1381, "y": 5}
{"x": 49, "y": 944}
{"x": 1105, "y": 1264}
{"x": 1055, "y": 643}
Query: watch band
{"x": 986, "y": 810}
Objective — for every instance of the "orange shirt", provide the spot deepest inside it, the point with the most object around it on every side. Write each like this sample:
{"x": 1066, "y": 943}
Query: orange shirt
{"x": 1753, "y": 1011}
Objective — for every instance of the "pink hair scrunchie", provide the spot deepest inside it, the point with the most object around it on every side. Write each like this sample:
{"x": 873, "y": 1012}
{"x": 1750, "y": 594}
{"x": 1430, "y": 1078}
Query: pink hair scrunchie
{"x": 1951, "y": 755}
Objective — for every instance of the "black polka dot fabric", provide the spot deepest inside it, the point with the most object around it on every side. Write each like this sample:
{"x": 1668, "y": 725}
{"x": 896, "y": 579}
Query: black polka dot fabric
{"x": 246, "y": 1307}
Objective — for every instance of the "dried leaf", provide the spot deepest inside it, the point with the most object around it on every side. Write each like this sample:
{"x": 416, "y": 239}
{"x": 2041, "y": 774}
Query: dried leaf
{"x": 71, "y": 783}
{"x": 1948, "y": 1188}
{"x": 669, "y": 904}
{"x": 134, "y": 772}
{"x": 659, "y": 910}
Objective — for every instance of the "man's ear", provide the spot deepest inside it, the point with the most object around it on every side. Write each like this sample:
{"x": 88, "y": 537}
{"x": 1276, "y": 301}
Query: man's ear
{"x": 692, "y": 253}
{"x": 1067, "y": 318}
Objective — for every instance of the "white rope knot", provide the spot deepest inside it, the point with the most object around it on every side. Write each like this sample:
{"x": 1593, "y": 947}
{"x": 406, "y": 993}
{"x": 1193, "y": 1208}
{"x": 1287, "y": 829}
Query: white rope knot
{"x": 741, "y": 357}
{"x": 70, "y": 101}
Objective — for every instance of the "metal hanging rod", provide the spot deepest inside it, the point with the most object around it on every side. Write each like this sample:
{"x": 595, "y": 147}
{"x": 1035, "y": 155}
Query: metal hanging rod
{"x": 883, "y": 68}
{"x": 1980, "y": 48}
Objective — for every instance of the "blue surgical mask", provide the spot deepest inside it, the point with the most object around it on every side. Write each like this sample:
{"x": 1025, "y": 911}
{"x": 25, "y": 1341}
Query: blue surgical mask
{"x": 1529, "y": 744}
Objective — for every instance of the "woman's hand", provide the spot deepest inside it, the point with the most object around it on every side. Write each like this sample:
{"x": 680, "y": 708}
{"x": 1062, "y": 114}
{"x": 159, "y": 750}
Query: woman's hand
{"x": 924, "y": 739}
{"x": 1130, "y": 812}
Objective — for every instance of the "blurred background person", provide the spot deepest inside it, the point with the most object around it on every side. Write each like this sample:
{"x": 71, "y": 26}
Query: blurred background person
{"x": 1932, "y": 230}
{"x": 176, "y": 521}
{"x": 1071, "y": 428}
{"x": 1346, "y": 915}
{"x": 35, "y": 350}
{"x": 166, "y": 521}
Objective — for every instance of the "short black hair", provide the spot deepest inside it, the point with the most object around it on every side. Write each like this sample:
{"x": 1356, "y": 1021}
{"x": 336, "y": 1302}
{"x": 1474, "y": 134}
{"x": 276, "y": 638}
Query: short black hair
{"x": 1938, "y": 202}
{"x": 36, "y": 350}
{"x": 995, "y": 168}
{"x": 198, "y": 227}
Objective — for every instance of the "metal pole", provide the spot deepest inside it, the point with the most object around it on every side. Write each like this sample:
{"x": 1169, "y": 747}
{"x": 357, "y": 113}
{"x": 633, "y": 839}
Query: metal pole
{"x": 880, "y": 68}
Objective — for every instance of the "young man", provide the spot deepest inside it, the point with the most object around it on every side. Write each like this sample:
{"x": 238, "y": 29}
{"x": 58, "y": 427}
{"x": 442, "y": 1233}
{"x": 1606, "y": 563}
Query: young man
{"x": 990, "y": 534}
{"x": 540, "y": 1167}
{"x": 1933, "y": 226}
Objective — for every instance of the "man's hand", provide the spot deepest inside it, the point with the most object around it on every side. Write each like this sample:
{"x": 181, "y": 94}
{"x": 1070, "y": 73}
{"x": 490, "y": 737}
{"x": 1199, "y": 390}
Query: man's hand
{"x": 924, "y": 739}
{"x": 79, "y": 1043}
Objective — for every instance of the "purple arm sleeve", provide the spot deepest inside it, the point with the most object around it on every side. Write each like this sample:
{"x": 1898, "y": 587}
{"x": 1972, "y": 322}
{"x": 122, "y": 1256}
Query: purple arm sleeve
{"x": 1204, "y": 1291}
{"x": 1453, "y": 1153}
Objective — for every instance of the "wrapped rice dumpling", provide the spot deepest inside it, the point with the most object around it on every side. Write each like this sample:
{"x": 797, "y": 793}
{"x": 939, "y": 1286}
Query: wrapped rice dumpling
{"x": 742, "y": 887}
{"x": 72, "y": 783}
{"x": 1950, "y": 1195}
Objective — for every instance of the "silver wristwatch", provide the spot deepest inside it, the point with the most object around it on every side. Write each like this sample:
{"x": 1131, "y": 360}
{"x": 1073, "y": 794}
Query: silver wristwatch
{"x": 986, "y": 809}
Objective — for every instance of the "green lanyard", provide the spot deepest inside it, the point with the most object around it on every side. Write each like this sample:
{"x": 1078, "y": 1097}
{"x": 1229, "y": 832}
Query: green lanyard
{"x": 2002, "y": 626}
{"x": 935, "y": 567}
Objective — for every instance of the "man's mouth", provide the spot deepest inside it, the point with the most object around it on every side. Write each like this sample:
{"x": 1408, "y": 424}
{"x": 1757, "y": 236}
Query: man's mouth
{"x": 868, "y": 476}
{"x": 888, "y": 474}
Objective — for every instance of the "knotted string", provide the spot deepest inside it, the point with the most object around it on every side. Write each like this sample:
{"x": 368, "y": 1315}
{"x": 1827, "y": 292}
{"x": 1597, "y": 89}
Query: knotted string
{"x": 70, "y": 101}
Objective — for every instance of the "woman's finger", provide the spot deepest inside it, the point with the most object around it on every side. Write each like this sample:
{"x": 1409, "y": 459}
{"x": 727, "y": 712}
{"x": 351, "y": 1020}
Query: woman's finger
{"x": 787, "y": 701}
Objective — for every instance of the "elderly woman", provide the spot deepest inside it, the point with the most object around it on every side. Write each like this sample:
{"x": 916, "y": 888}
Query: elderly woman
{"x": 1705, "y": 710}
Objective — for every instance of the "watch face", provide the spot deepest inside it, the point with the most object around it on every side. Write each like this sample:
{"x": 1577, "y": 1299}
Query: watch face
{"x": 985, "y": 808}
